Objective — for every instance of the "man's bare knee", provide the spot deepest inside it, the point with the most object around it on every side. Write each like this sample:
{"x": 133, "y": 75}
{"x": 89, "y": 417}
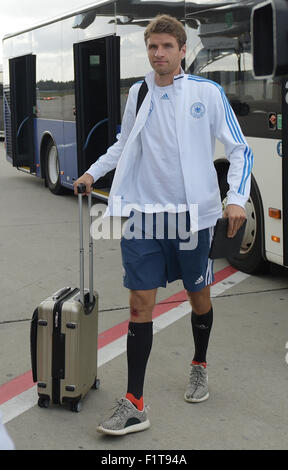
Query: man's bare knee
{"x": 200, "y": 301}
{"x": 141, "y": 305}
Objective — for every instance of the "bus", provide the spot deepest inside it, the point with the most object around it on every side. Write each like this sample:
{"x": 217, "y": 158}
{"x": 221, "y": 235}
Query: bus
{"x": 1, "y": 105}
{"x": 66, "y": 82}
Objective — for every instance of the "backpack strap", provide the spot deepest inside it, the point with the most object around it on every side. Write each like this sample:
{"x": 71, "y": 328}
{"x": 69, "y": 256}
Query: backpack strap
{"x": 141, "y": 95}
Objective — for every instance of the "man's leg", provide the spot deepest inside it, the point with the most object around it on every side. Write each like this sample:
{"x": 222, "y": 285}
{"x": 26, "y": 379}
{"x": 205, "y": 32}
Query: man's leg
{"x": 201, "y": 320}
{"x": 139, "y": 342}
{"x": 130, "y": 415}
{"x": 144, "y": 270}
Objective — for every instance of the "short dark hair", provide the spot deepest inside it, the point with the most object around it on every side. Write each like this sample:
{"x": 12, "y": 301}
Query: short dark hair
{"x": 169, "y": 25}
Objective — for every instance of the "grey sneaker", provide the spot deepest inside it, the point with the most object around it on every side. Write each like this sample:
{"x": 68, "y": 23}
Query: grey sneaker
{"x": 125, "y": 419}
{"x": 197, "y": 389}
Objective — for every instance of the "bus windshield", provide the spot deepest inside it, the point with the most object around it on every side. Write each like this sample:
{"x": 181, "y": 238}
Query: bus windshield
{"x": 219, "y": 48}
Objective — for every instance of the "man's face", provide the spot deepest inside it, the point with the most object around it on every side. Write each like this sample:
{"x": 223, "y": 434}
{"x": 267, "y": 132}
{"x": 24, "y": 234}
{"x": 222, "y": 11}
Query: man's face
{"x": 164, "y": 54}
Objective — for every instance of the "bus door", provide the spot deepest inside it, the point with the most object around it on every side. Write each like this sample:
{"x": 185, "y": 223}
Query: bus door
{"x": 97, "y": 93}
{"x": 23, "y": 101}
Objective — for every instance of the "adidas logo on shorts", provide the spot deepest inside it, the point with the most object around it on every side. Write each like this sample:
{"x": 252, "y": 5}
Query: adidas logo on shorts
{"x": 199, "y": 280}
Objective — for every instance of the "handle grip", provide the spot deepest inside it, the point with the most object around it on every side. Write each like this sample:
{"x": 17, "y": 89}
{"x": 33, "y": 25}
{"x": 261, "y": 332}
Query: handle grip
{"x": 81, "y": 188}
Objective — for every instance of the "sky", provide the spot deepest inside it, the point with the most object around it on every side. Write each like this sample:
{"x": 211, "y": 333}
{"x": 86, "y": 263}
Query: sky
{"x": 20, "y": 14}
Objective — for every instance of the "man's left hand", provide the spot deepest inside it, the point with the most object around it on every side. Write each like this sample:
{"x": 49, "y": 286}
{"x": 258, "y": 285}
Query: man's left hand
{"x": 236, "y": 215}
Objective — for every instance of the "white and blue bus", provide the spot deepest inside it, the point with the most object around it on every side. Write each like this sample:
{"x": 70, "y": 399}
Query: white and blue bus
{"x": 66, "y": 83}
{"x": 1, "y": 105}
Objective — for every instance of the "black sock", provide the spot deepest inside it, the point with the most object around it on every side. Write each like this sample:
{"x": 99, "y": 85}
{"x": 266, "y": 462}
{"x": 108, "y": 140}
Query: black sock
{"x": 139, "y": 344}
{"x": 201, "y": 327}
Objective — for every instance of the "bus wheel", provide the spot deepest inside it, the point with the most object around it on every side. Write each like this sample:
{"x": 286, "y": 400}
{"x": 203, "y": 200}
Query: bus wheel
{"x": 53, "y": 178}
{"x": 250, "y": 259}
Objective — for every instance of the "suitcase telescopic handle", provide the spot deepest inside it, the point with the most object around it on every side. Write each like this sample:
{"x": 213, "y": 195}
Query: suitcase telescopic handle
{"x": 81, "y": 189}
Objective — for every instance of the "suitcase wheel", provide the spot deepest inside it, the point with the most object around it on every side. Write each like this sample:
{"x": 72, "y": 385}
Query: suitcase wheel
{"x": 76, "y": 406}
{"x": 96, "y": 384}
{"x": 43, "y": 402}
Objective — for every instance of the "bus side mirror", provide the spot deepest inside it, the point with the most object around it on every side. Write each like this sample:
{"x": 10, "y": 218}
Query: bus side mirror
{"x": 269, "y": 31}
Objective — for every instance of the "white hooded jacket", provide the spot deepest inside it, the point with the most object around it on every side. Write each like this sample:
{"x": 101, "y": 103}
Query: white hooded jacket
{"x": 202, "y": 114}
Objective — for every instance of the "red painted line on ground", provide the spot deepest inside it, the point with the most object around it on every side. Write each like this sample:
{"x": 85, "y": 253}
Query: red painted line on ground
{"x": 24, "y": 382}
{"x": 16, "y": 386}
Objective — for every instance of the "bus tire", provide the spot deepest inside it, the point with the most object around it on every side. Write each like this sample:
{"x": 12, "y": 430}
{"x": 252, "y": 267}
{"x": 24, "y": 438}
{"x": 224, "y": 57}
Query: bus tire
{"x": 250, "y": 259}
{"x": 52, "y": 169}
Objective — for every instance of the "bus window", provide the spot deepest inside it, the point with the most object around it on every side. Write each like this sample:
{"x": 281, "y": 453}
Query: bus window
{"x": 225, "y": 57}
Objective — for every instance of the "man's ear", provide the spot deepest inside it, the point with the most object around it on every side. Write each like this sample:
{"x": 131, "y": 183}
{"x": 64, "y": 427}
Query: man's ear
{"x": 183, "y": 51}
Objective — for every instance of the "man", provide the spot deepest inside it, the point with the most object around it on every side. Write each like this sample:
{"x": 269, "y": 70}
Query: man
{"x": 165, "y": 155}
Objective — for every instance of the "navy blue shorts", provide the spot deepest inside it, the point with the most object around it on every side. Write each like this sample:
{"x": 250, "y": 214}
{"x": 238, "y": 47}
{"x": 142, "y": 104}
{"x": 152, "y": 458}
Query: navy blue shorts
{"x": 150, "y": 261}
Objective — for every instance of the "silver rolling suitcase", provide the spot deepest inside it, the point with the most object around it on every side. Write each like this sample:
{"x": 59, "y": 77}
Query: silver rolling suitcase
{"x": 64, "y": 337}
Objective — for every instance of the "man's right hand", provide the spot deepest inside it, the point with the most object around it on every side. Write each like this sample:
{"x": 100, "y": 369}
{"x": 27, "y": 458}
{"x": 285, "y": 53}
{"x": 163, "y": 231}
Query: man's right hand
{"x": 87, "y": 180}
